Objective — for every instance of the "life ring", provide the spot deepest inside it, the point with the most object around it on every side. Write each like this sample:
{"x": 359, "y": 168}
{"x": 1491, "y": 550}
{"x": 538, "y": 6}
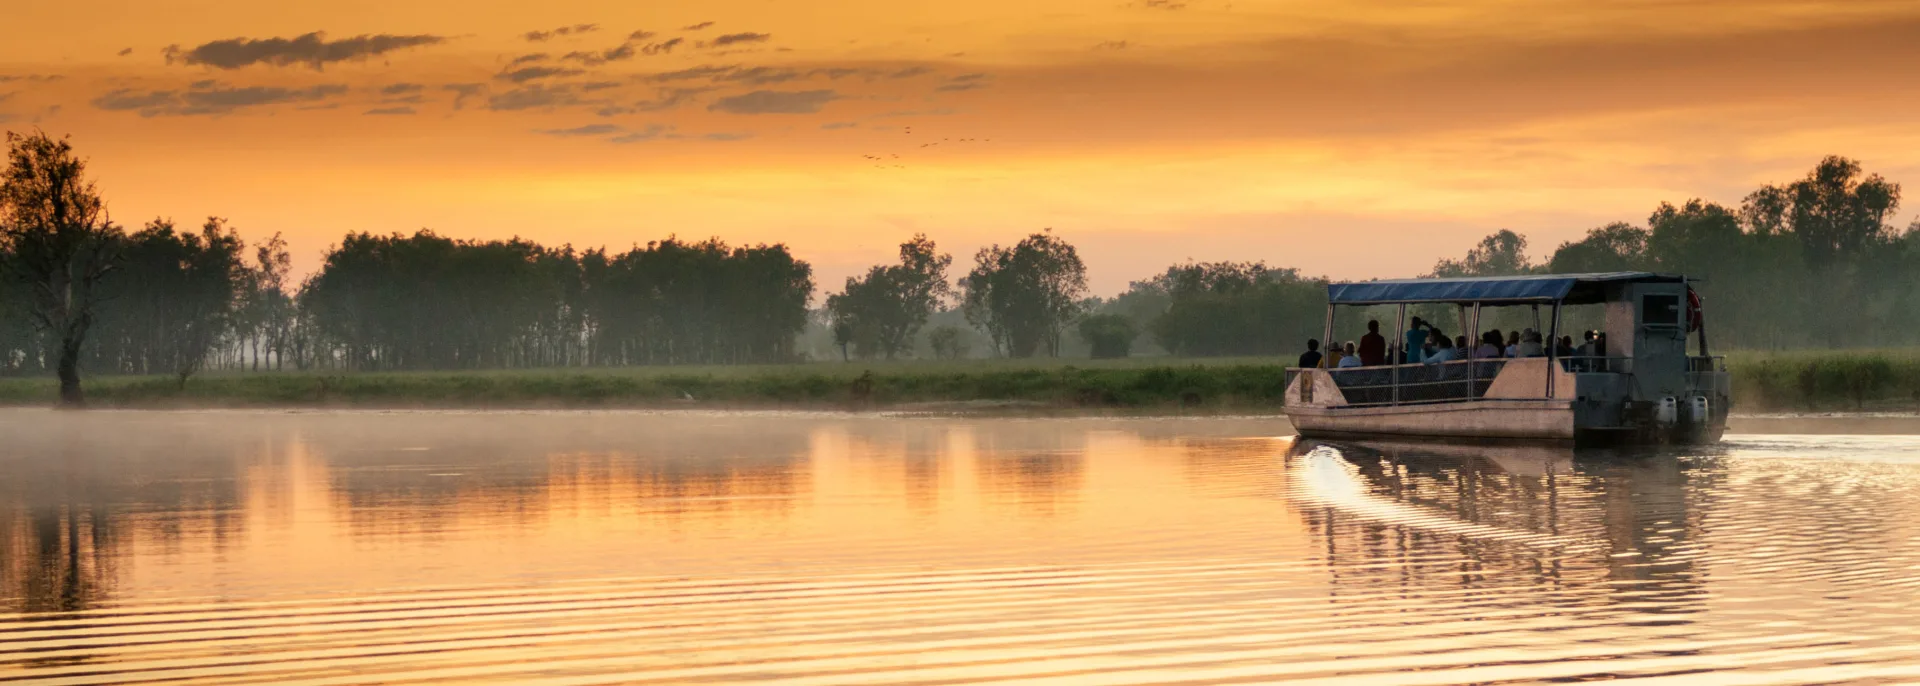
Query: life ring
{"x": 1694, "y": 314}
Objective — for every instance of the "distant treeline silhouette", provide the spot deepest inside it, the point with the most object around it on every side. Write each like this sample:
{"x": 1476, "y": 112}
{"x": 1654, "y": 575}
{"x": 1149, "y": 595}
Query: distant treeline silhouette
{"x": 1814, "y": 262}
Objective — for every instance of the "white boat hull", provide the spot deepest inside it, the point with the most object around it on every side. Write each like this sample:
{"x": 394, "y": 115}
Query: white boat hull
{"x": 1544, "y": 420}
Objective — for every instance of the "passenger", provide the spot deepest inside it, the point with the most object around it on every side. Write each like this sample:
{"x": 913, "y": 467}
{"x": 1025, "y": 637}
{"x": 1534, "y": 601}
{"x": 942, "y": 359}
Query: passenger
{"x": 1489, "y": 346}
{"x": 1436, "y": 340}
{"x": 1564, "y": 348}
{"x": 1311, "y": 358}
{"x": 1352, "y": 357}
{"x": 1530, "y": 345}
{"x": 1443, "y": 351}
{"x": 1334, "y": 353}
{"x": 1373, "y": 346}
{"x": 1513, "y": 343}
{"x": 1416, "y": 341}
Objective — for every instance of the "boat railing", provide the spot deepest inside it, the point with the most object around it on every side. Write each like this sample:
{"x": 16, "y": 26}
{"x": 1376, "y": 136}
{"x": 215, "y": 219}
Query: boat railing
{"x": 1597, "y": 364}
{"x": 1416, "y": 383}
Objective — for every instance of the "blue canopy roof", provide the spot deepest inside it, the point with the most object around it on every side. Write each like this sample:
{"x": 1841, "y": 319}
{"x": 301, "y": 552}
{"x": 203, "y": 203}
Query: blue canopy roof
{"x": 1494, "y": 289}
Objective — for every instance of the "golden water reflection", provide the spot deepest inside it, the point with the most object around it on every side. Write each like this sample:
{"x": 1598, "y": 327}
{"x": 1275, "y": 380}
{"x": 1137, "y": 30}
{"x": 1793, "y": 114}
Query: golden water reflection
{"x": 564, "y": 547}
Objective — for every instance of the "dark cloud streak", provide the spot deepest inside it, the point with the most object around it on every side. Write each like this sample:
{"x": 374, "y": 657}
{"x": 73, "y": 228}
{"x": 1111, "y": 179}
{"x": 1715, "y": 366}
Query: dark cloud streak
{"x": 312, "y": 50}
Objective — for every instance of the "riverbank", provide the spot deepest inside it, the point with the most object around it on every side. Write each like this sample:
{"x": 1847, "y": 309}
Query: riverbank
{"x": 1221, "y": 384}
{"x": 1801, "y": 381}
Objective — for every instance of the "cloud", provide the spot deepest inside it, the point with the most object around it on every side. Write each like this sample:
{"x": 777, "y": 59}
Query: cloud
{"x": 1164, "y": 4}
{"x": 639, "y": 35}
{"x": 592, "y": 86}
{"x": 774, "y": 102}
{"x": 310, "y": 49}
{"x": 760, "y": 75}
{"x": 663, "y": 47}
{"x": 705, "y": 71}
{"x": 533, "y": 97}
{"x": 909, "y": 72}
{"x": 401, "y": 89}
{"x": 389, "y": 111}
{"x": 592, "y": 57}
{"x": 697, "y": 27}
{"x": 963, "y": 82}
{"x": 527, "y": 59}
{"x": 541, "y": 36}
{"x": 666, "y": 98}
{"x": 124, "y": 52}
{"x": 205, "y": 98}
{"x": 732, "y": 38}
{"x": 462, "y": 91}
{"x": 579, "y": 131}
{"x": 1112, "y": 45}
{"x": 532, "y": 73}
{"x": 126, "y": 99}
{"x": 727, "y": 136}
{"x": 829, "y": 126}
{"x": 652, "y": 132}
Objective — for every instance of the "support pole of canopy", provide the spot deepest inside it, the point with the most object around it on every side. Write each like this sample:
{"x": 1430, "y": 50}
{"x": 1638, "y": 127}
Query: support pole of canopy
{"x": 1553, "y": 349}
{"x": 1326, "y": 339}
{"x": 1473, "y": 345}
{"x": 1395, "y": 359}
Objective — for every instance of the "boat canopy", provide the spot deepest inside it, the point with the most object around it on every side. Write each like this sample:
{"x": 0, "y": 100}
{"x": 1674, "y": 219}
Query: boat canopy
{"x": 1574, "y": 289}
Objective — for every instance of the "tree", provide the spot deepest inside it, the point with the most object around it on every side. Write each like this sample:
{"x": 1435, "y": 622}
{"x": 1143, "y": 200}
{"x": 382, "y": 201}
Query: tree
{"x": 59, "y": 244}
{"x": 1237, "y": 308}
{"x": 1502, "y": 253}
{"x": 948, "y": 342}
{"x": 1024, "y": 295}
{"x": 174, "y": 297}
{"x": 1616, "y": 247}
{"x": 883, "y": 310}
{"x": 1110, "y": 335}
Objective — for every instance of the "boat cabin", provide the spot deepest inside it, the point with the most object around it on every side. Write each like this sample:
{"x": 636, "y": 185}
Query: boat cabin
{"x": 1630, "y": 379}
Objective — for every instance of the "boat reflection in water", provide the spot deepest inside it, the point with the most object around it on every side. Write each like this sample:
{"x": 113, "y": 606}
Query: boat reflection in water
{"x": 1577, "y": 541}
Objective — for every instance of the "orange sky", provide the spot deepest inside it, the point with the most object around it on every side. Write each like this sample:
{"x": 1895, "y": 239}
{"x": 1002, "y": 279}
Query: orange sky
{"x": 1352, "y": 139}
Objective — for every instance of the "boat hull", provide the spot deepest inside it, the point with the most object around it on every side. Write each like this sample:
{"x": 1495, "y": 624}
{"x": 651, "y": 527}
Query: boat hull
{"x": 1533, "y": 420}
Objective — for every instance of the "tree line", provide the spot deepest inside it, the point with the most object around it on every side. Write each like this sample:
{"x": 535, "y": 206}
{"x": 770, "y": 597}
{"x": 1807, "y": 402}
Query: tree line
{"x": 1810, "y": 262}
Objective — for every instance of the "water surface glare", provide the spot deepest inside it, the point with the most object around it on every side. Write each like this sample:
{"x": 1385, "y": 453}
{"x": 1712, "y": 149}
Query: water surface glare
{"x": 632, "y": 547}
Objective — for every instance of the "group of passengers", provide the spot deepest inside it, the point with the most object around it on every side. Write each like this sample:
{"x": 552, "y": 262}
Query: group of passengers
{"x": 1426, "y": 343}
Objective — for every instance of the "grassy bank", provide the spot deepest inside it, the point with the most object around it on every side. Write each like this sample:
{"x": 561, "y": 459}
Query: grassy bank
{"x": 1136, "y": 383}
{"x": 1791, "y": 381}
{"x": 1820, "y": 380}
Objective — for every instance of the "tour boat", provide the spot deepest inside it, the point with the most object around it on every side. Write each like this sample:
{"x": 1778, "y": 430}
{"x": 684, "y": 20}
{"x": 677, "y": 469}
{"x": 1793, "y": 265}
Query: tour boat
{"x": 1632, "y": 380}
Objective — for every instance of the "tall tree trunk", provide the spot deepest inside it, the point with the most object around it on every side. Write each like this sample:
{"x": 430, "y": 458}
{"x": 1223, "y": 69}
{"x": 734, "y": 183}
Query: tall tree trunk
{"x": 69, "y": 366}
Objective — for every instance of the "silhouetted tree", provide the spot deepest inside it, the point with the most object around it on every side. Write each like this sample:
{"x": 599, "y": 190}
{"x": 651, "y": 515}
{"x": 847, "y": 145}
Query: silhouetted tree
{"x": 1109, "y": 335}
{"x": 1237, "y": 308}
{"x": 882, "y": 311}
{"x": 1024, "y": 295}
{"x": 58, "y": 242}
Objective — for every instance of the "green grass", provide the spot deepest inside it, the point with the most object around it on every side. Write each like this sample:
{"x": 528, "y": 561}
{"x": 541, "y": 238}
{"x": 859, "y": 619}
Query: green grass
{"x": 1792, "y": 381}
{"x": 1129, "y": 383}
{"x": 1826, "y": 380}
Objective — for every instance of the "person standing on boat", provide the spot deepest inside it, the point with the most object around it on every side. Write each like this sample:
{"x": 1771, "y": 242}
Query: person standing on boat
{"x": 1417, "y": 342}
{"x": 1373, "y": 346}
{"x": 1311, "y": 358}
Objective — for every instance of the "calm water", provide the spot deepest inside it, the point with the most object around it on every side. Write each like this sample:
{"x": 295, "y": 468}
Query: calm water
{"x": 628, "y": 547}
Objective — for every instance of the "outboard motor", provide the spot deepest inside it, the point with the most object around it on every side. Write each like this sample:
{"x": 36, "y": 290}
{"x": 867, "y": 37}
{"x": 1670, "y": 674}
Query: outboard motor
{"x": 1667, "y": 413}
{"x": 1698, "y": 412}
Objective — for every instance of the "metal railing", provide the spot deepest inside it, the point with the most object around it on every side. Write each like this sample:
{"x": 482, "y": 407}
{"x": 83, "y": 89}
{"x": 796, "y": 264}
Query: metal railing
{"x": 1596, "y": 364}
{"x": 1417, "y": 383}
{"x": 1710, "y": 363}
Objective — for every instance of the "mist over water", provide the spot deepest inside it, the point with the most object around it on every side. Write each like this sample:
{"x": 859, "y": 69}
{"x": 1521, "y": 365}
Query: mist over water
{"x": 574, "y": 547}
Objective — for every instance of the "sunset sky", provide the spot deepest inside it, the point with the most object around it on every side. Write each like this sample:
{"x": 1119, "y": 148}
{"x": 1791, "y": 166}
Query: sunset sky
{"x": 1351, "y": 139}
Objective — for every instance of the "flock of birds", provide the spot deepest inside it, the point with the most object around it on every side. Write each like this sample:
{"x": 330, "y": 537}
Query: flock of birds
{"x": 889, "y": 160}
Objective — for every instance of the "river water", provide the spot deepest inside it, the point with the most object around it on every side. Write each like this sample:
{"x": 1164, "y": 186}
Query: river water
{"x": 579, "y": 548}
